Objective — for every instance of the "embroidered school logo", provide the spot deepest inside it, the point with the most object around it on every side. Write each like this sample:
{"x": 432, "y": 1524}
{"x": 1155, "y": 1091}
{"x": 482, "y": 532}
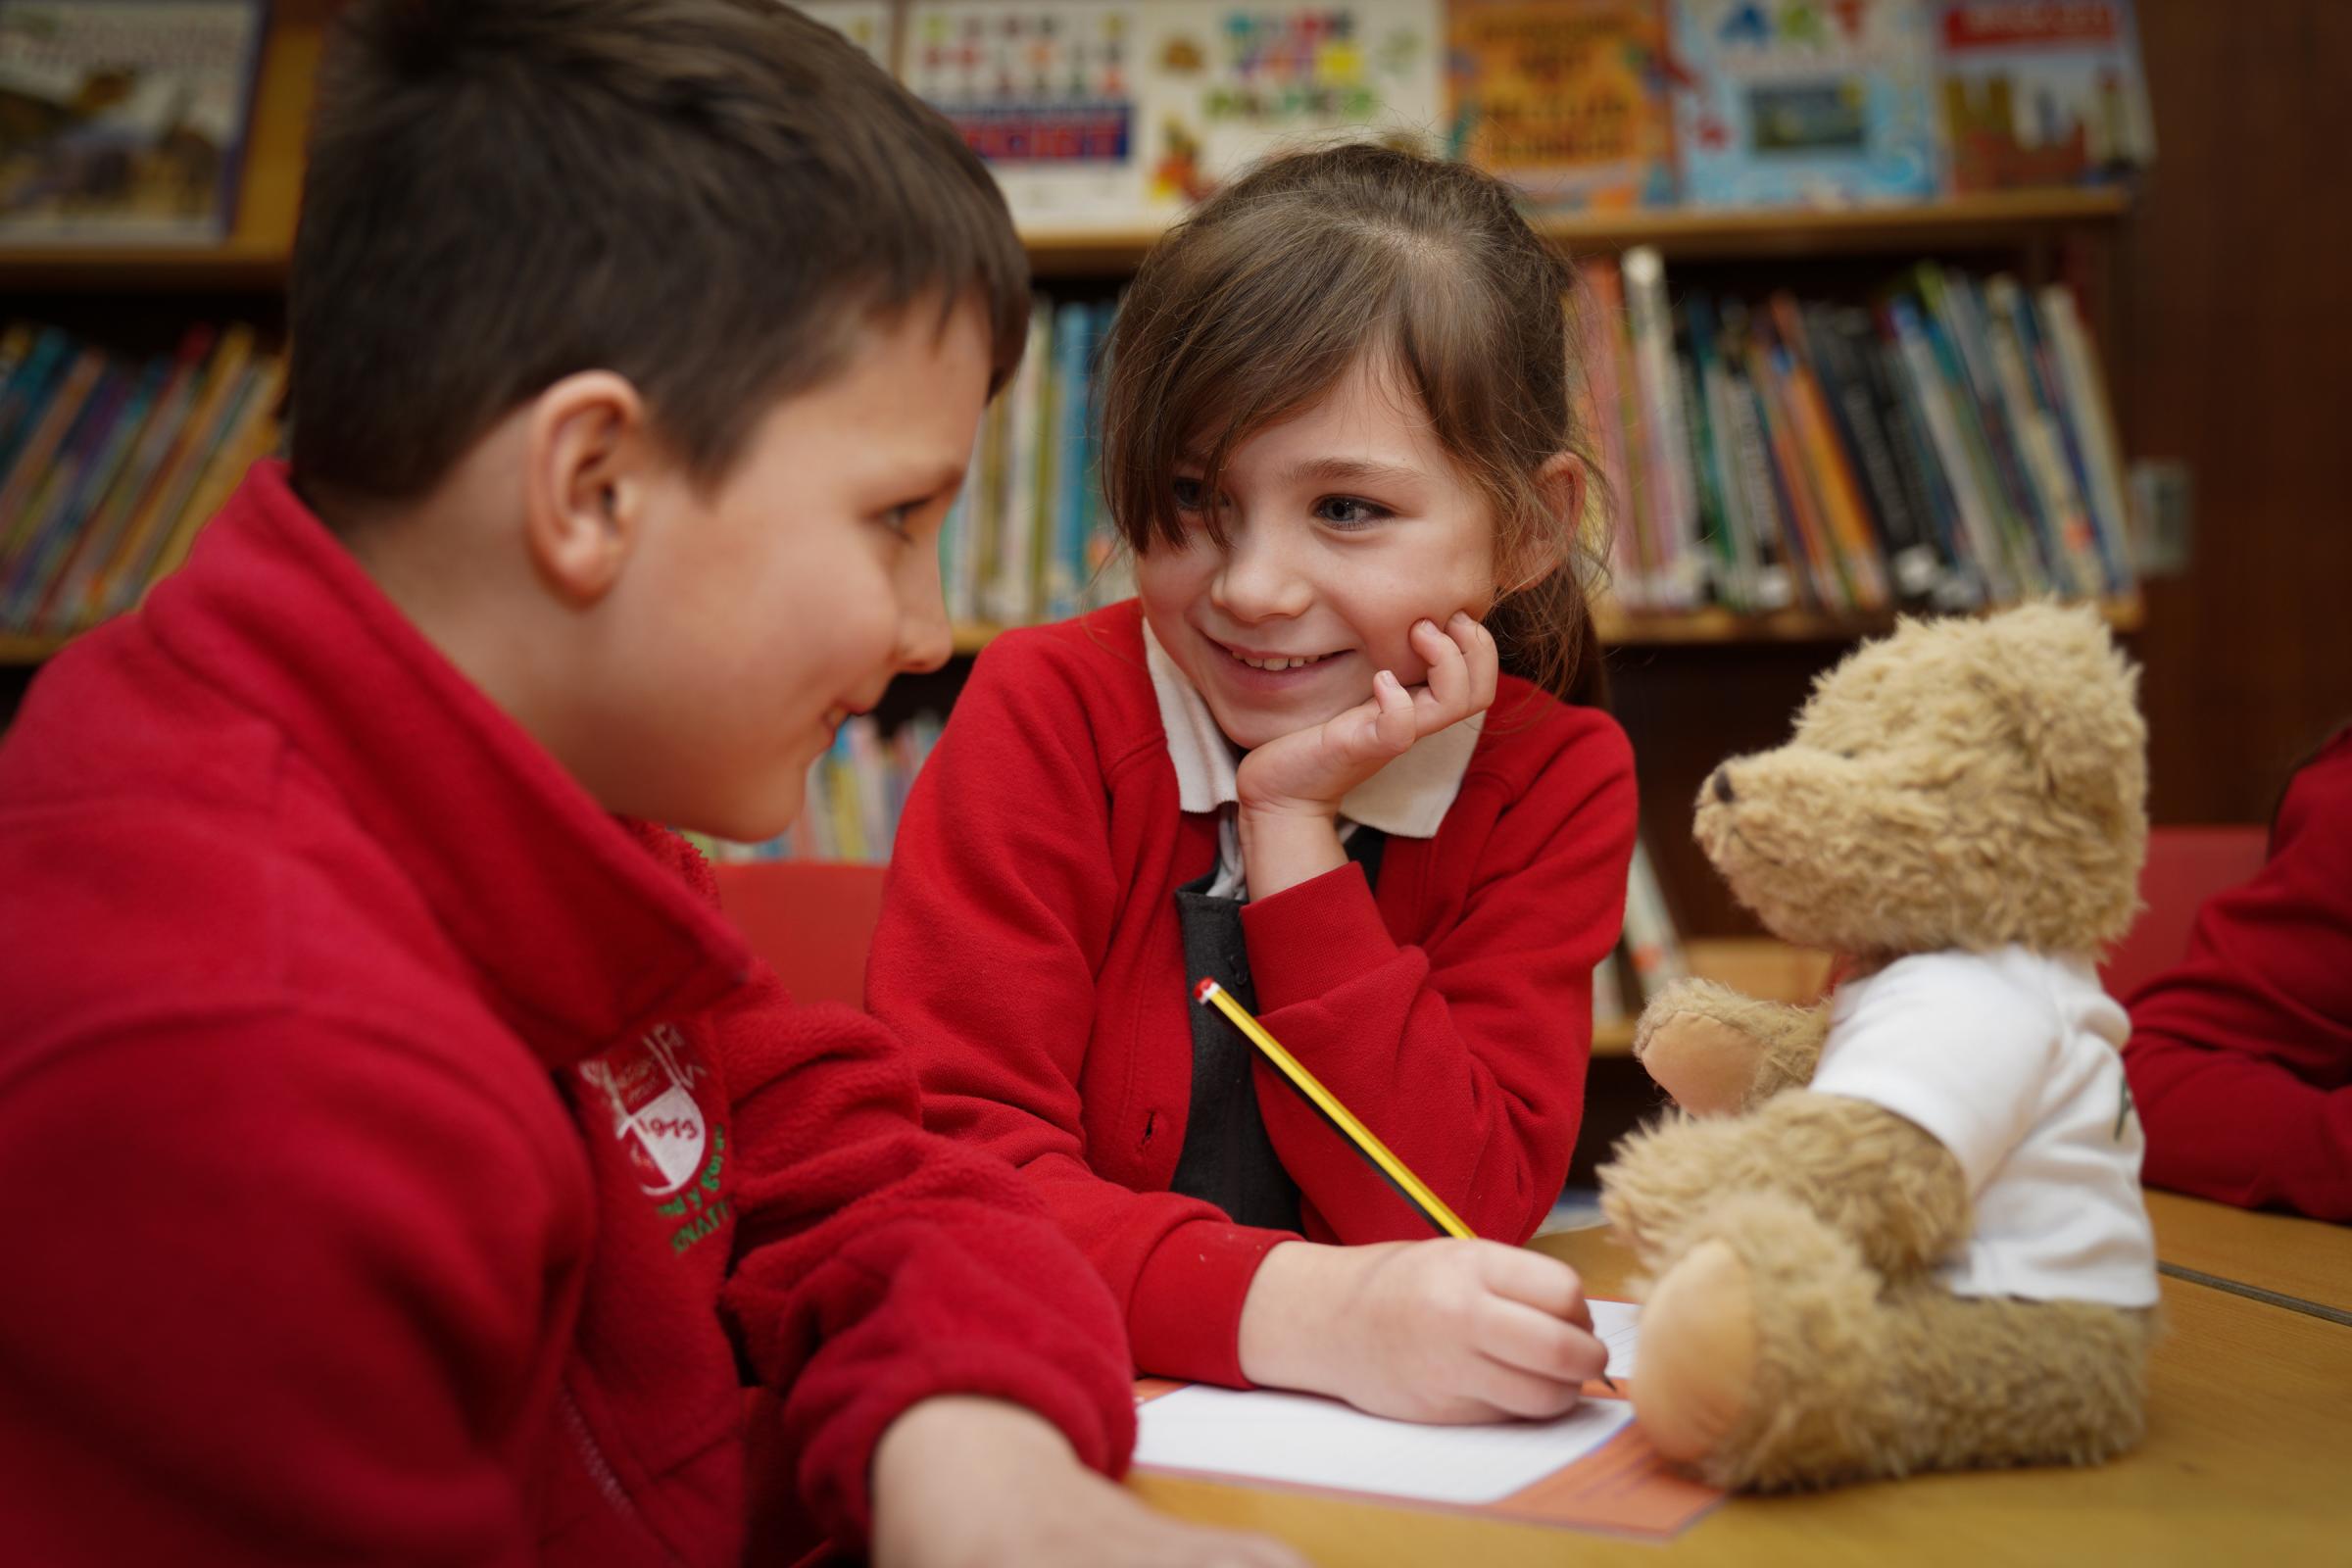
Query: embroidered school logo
{"x": 680, "y": 1157}
{"x": 654, "y": 1114}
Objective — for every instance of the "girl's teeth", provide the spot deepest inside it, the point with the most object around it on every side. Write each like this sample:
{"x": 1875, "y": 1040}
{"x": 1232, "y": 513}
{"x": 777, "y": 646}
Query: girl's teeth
{"x": 1280, "y": 664}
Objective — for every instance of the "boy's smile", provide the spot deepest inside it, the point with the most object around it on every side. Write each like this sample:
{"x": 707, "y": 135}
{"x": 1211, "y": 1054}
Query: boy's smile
{"x": 1345, "y": 524}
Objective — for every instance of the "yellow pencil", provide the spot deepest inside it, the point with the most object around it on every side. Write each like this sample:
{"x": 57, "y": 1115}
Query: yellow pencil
{"x": 1433, "y": 1207}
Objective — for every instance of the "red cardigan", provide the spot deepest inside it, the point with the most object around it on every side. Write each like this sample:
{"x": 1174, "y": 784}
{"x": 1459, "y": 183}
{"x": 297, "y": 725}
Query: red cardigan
{"x": 2240, "y": 1056}
{"x": 403, "y": 1164}
{"x": 1029, "y": 953}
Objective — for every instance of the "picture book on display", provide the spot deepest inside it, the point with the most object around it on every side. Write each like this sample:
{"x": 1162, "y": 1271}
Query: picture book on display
{"x": 123, "y": 121}
{"x": 2042, "y": 92}
{"x": 1106, "y": 113}
{"x": 1567, "y": 100}
{"x": 865, "y": 22}
{"x": 1804, "y": 103}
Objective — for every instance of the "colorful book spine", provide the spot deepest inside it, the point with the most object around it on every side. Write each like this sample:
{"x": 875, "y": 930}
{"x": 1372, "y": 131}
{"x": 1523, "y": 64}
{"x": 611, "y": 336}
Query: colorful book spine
{"x": 2084, "y": 396}
{"x": 1650, "y": 938}
{"x": 1668, "y": 495}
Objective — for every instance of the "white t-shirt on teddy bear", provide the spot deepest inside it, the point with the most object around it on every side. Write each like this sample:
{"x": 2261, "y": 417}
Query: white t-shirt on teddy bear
{"x": 2011, "y": 1061}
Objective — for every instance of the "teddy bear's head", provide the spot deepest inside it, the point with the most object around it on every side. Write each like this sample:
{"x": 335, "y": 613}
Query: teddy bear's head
{"x": 1959, "y": 784}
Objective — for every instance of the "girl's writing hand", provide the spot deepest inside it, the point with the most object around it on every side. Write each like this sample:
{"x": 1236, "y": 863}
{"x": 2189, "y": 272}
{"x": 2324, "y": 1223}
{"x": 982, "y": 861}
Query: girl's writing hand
{"x": 1307, "y": 772}
{"x": 1439, "y": 1331}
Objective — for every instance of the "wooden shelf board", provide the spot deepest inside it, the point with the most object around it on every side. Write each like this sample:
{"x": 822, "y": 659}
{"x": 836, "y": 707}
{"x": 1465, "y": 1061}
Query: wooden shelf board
{"x": 257, "y": 255}
{"x": 1756, "y": 966}
{"x": 1958, "y": 221}
{"x": 18, "y": 648}
{"x": 1621, "y": 628}
{"x": 1697, "y": 628}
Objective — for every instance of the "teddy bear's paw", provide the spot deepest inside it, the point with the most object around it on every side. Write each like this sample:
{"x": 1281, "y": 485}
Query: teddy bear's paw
{"x": 1709, "y": 1066}
{"x": 1696, "y": 1377}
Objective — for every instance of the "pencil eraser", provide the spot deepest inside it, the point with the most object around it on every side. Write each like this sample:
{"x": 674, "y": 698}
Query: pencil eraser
{"x": 1202, "y": 990}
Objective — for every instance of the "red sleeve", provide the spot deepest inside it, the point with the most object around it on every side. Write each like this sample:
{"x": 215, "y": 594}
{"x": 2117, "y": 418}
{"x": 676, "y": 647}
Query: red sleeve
{"x": 1020, "y": 878}
{"x": 878, "y": 1265}
{"x": 291, "y": 1282}
{"x": 1467, "y": 1060}
{"x": 2240, "y": 1056}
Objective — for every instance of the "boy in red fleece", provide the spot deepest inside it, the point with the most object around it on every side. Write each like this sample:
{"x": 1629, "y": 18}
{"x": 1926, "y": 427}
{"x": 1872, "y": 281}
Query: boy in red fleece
{"x": 407, "y": 1163}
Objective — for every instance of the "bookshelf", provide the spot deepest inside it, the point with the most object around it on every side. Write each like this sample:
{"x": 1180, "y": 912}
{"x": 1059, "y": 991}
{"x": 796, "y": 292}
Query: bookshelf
{"x": 1692, "y": 685}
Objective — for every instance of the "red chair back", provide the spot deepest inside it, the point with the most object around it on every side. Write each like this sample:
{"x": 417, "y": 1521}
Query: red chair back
{"x": 2186, "y": 866}
{"x": 813, "y": 921}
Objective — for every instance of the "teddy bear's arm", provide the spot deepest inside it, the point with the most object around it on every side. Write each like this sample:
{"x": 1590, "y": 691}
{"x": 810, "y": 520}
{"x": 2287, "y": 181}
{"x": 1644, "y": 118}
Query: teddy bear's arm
{"x": 1880, "y": 1180}
{"x": 1717, "y": 1052}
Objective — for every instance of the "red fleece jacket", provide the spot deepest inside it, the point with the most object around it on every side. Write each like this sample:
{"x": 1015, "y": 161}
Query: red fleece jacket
{"x": 2240, "y": 1056}
{"x": 405, "y": 1162}
{"x": 1029, "y": 955}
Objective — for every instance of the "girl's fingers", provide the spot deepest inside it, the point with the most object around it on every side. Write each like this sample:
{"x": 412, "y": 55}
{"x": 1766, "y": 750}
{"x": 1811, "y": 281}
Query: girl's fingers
{"x": 1448, "y": 682}
{"x": 1537, "y": 1342}
{"x": 1514, "y": 1392}
{"x": 1393, "y": 725}
{"x": 1544, "y": 1282}
{"x": 1484, "y": 659}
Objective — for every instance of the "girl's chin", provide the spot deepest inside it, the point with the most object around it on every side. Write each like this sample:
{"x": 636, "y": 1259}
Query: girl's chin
{"x": 1252, "y": 724}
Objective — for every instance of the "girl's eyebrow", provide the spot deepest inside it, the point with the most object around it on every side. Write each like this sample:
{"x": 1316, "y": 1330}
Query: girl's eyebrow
{"x": 1350, "y": 471}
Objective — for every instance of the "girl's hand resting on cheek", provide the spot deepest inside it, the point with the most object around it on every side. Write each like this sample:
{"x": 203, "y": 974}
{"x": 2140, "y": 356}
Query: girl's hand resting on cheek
{"x": 1439, "y": 1331}
{"x": 1291, "y": 788}
{"x": 1307, "y": 772}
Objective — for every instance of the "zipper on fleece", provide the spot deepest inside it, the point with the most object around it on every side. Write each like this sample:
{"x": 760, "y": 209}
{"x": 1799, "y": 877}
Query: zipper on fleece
{"x": 607, "y": 1479}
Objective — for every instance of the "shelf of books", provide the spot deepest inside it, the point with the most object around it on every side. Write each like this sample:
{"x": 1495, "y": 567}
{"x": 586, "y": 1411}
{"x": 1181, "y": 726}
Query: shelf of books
{"x": 209, "y": 171}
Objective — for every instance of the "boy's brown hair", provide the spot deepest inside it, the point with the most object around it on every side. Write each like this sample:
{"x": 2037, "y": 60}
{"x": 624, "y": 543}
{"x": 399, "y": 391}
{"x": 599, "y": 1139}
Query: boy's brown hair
{"x": 1256, "y": 306}
{"x": 708, "y": 197}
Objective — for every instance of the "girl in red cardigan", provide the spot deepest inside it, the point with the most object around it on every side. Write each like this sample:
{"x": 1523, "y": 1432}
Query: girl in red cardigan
{"x": 1339, "y": 441}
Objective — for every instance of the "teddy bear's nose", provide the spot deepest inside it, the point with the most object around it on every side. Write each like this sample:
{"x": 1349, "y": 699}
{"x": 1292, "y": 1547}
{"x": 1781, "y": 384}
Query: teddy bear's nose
{"x": 1722, "y": 783}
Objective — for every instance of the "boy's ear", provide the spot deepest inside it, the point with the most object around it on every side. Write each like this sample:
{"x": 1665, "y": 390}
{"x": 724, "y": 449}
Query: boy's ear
{"x": 1562, "y": 480}
{"x": 585, "y": 485}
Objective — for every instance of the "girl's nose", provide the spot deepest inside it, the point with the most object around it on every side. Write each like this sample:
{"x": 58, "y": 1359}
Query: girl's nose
{"x": 1259, "y": 582}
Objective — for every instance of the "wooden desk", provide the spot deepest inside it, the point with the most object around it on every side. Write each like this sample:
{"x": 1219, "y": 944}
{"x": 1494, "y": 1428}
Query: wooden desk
{"x": 2297, "y": 1257}
{"x": 2248, "y": 1455}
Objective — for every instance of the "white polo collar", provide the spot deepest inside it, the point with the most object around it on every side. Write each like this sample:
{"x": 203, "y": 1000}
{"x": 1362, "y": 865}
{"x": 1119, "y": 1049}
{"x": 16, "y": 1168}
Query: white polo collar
{"x": 1408, "y": 798}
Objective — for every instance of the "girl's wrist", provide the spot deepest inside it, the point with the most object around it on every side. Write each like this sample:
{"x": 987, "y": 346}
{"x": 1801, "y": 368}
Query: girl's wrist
{"x": 1283, "y": 1331}
{"x": 1283, "y": 847}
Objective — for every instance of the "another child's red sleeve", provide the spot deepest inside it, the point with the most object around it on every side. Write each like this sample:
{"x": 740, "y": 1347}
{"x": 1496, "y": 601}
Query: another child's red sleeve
{"x": 1003, "y": 890}
{"x": 2240, "y": 1056}
{"x": 878, "y": 1265}
{"x": 1467, "y": 1058}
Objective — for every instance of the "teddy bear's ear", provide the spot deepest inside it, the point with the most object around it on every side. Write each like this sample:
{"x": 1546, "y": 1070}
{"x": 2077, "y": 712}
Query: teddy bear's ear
{"x": 2072, "y": 701}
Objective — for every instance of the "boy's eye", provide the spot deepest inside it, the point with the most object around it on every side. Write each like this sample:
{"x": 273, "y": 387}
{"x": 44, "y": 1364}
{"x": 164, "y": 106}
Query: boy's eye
{"x": 900, "y": 519}
{"x": 1347, "y": 511}
{"x": 1186, "y": 493}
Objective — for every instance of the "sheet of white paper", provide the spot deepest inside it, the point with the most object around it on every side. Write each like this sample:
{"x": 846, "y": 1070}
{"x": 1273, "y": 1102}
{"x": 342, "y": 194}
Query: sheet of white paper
{"x": 1616, "y": 1323}
{"x": 1304, "y": 1441}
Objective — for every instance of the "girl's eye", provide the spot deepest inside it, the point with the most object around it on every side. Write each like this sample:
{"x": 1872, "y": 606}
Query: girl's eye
{"x": 1186, "y": 493}
{"x": 1345, "y": 511}
{"x": 900, "y": 519}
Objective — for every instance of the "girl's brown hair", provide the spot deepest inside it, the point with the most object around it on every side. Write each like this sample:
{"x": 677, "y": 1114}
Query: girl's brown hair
{"x": 1256, "y": 306}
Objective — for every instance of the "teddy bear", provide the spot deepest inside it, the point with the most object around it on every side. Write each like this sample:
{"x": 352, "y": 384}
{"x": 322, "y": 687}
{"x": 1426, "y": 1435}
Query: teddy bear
{"x": 1901, "y": 1229}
